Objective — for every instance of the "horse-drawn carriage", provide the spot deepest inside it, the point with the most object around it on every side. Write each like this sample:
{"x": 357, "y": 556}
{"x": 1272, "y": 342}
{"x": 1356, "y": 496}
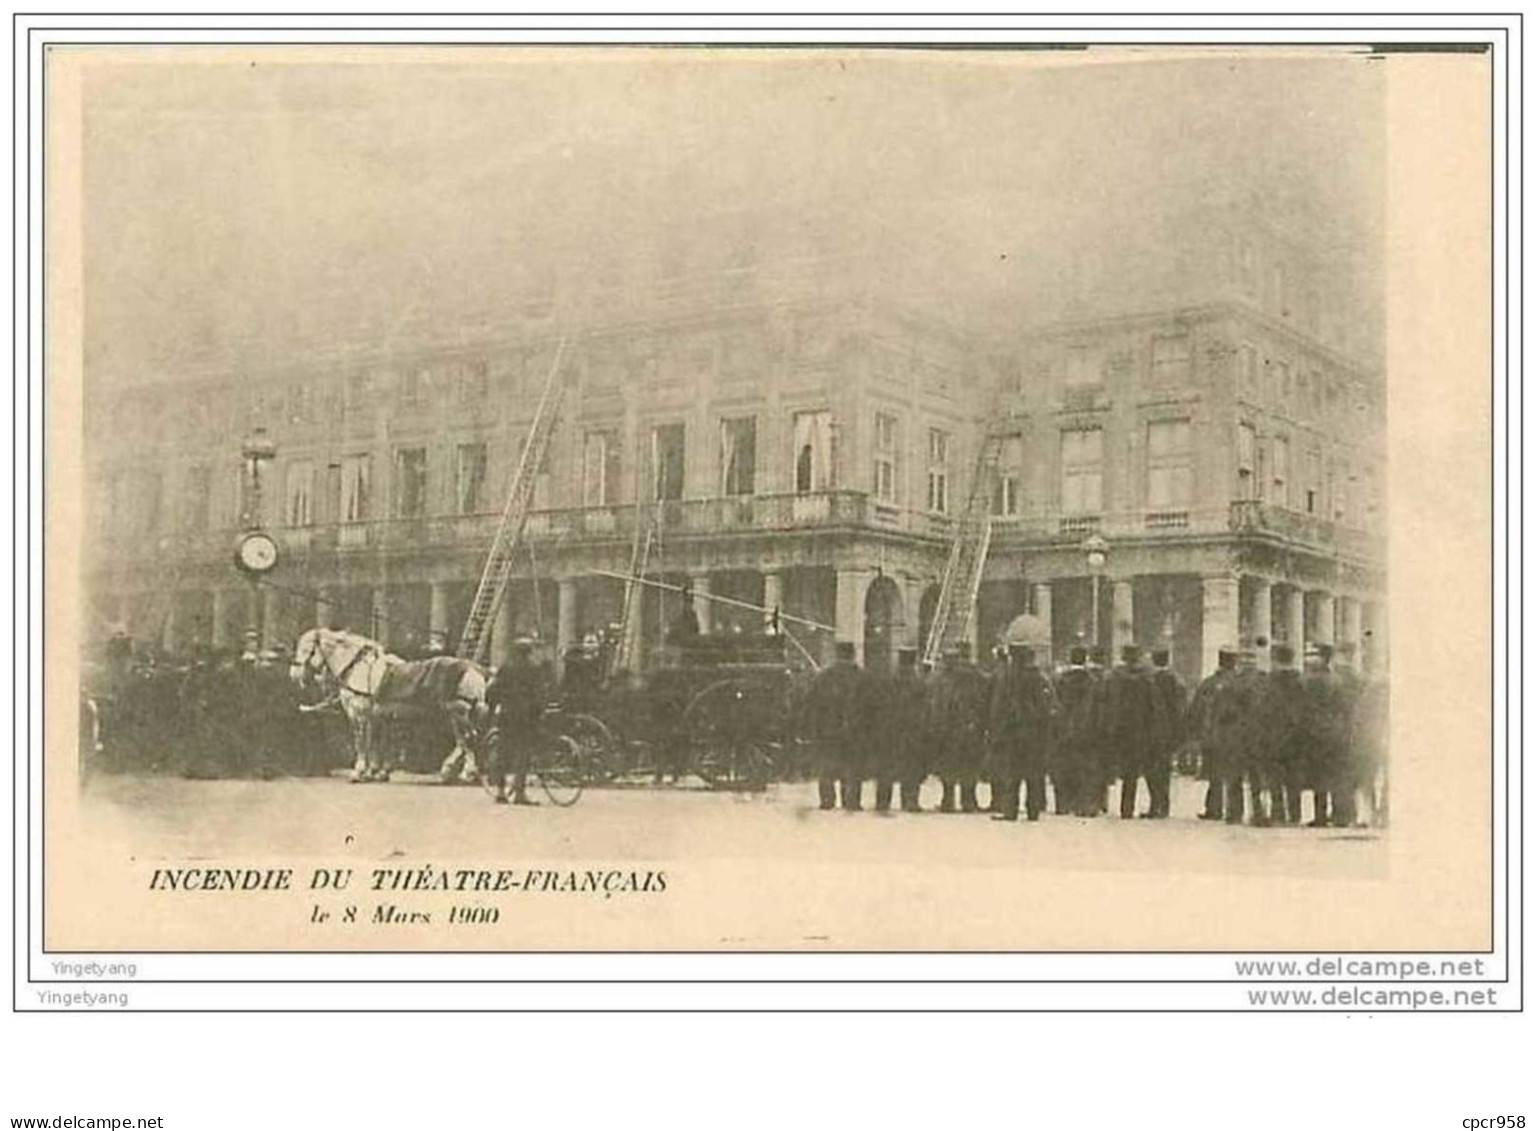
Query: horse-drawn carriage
{"x": 716, "y": 708}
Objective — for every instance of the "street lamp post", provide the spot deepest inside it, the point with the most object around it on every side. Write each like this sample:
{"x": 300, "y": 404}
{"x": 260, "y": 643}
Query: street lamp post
{"x": 257, "y": 449}
{"x": 1097, "y": 551}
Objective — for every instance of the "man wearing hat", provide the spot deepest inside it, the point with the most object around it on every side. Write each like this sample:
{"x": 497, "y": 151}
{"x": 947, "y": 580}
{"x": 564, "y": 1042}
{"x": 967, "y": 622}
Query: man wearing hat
{"x": 1326, "y": 738}
{"x": 1169, "y": 705}
{"x": 1073, "y": 748}
{"x": 1280, "y": 736}
{"x": 1129, "y": 718}
{"x": 836, "y": 709}
{"x": 517, "y": 696}
{"x": 1020, "y": 730}
{"x": 958, "y": 715}
{"x": 898, "y": 756}
{"x": 1210, "y": 723}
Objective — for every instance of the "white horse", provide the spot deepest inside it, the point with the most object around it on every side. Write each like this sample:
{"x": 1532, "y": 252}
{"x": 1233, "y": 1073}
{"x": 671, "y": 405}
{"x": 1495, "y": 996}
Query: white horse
{"x": 368, "y": 683}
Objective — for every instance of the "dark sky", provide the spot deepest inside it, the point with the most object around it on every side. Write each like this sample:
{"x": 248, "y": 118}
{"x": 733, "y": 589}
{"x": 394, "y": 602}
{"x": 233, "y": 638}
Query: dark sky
{"x": 238, "y": 214}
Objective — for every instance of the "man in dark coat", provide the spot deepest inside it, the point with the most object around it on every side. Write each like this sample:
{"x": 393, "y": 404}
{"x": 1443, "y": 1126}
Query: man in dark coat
{"x": 517, "y": 696}
{"x": 1326, "y": 736}
{"x": 1212, "y": 720}
{"x": 1279, "y": 741}
{"x": 1020, "y": 730}
{"x": 901, "y": 722}
{"x": 1169, "y": 705}
{"x": 1074, "y": 736}
{"x": 1129, "y": 721}
{"x": 836, "y": 708}
{"x": 959, "y": 719}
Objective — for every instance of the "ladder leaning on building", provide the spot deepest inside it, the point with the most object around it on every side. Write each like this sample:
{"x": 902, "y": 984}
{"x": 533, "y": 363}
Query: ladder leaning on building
{"x": 475, "y": 640}
{"x": 954, "y": 615}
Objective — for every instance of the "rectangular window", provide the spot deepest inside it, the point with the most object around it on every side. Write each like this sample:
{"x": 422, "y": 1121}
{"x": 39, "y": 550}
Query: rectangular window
{"x": 469, "y": 478}
{"x": 1171, "y": 359}
{"x": 412, "y": 394}
{"x": 298, "y": 509}
{"x": 1314, "y": 481}
{"x": 1343, "y": 480}
{"x": 1247, "y": 461}
{"x": 938, "y": 471}
{"x": 738, "y": 455}
{"x": 1010, "y": 463}
{"x": 597, "y": 486}
{"x": 1170, "y": 465}
{"x": 356, "y": 487}
{"x": 668, "y": 461}
{"x": 1280, "y": 472}
{"x": 887, "y": 448}
{"x": 199, "y": 487}
{"x": 816, "y": 452}
{"x": 410, "y": 482}
{"x": 1082, "y": 471}
{"x": 1283, "y": 389}
{"x": 1081, "y": 372}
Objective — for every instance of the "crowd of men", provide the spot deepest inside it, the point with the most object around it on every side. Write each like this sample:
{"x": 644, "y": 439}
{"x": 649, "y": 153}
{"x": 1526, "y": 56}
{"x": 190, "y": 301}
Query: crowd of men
{"x": 1264, "y": 740}
{"x": 204, "y": 713}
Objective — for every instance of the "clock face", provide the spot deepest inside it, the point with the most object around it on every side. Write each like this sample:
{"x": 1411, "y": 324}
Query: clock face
{"x": 256, "y": 553}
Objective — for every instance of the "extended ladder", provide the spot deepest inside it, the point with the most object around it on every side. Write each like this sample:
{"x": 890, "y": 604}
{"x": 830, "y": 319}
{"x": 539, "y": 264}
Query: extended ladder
{"x": 954, "y": 615}
{"x": 475, "y": 640}
{"x": 626, "y": 657}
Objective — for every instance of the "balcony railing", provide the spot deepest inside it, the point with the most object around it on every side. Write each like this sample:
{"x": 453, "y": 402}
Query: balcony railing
{"x": 1253, "y": 516}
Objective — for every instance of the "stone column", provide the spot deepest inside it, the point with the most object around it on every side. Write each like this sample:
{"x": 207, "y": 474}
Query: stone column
{"x": 1322, "y": 618}
{"x": 1122, "y": 625}
{"x": 703, "y": 607}
{"x": 437, "y": 617}
{"x": 1259, "y": 619}
{"x": 170, "y": 629}
{"x": 565, "y": 616}
{"x": 1349, "y": 622}
{"x": 218, "y": 630}
{"x": 852, "y": 587}
{"x": 503, "y": 631}
{"x": 378, "y": 617}
{"x": 1295, "y": 618}
{"x": 1218, "y": 619}
{"x": 1042, "y": 601}
{"x": 773, "y": 594}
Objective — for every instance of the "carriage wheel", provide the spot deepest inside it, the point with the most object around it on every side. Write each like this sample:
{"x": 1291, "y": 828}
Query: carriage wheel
{"x": 728, "y": 747}
{"x": 600, "y": 751}
{"x": 562, "y": 770}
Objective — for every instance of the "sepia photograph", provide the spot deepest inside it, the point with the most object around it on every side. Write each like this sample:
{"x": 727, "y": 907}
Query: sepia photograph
{"x": 719, "y": 499}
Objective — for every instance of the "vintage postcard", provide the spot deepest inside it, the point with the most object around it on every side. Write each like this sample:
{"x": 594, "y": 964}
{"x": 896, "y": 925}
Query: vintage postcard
{"x": 835, "y": 499}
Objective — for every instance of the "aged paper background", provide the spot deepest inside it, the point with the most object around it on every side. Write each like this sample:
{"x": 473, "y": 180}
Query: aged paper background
{"x": 1434, "y": 893}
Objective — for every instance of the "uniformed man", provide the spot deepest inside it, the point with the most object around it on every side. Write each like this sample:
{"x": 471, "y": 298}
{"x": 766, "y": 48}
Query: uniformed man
{"x": 1128, "y": 724}
{"x": 1212, "y": 724}
{"x": 1020, "y": 731}
{"x": 836, "y": 708}
{"x": 1169, "y": 706}
{"x": 1073, "y": 745}
{"x": 959, "y": 725}
{"x": 1280, "y": 741}
{"x": 901, "y": 722}
{"x": 1368, "y": 747}
{"x": 517, "y": 695}
{"x": 1326, "y": 735}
